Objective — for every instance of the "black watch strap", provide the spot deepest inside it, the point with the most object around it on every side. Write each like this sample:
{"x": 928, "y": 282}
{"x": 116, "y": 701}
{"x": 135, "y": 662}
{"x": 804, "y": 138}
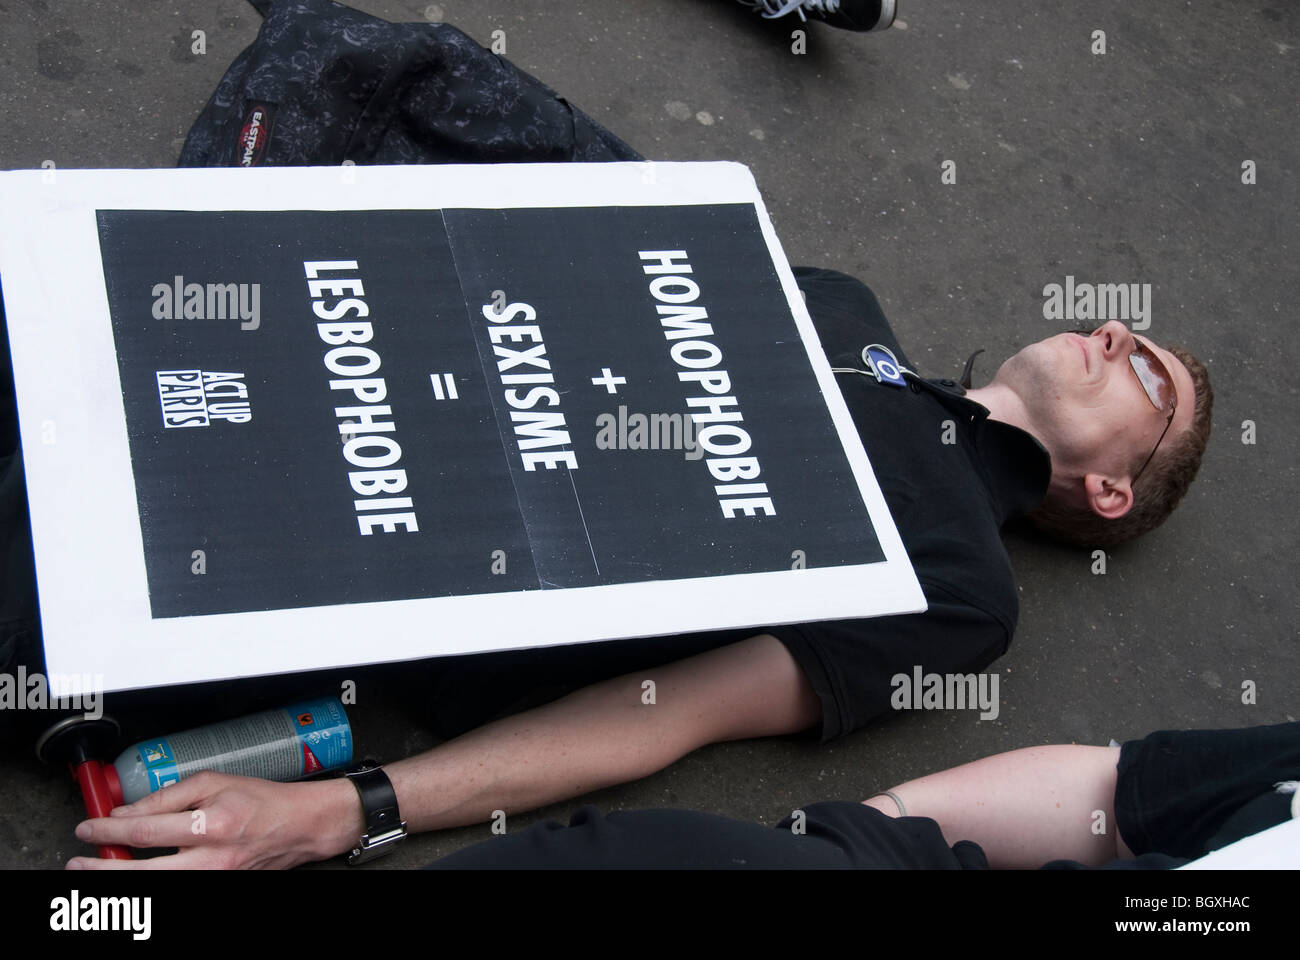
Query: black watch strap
{"x": 384, "y": 828}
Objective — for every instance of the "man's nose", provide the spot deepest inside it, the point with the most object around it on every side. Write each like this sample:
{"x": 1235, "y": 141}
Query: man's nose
{"x": 1116, "y": 340}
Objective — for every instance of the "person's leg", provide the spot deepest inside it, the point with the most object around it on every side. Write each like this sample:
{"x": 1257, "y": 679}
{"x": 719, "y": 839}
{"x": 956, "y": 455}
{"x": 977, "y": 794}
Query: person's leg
{"x": 1024, "y": 807}
{"x": 649, "y": 838}
{"x": 827, "y": 834}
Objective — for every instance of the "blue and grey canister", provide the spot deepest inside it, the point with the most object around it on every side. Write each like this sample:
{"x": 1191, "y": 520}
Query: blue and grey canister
{"x": 285, "y": 744}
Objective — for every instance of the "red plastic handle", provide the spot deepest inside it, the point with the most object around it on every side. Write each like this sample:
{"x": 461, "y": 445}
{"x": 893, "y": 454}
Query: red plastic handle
{"x": 94, "y": 790}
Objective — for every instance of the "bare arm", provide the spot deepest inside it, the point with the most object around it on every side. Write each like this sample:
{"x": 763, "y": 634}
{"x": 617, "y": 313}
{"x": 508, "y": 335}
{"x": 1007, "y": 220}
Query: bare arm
{"x": 601, "y": 735}
{"x": 1024, "y": 807}
{"x": 606, "y": 734}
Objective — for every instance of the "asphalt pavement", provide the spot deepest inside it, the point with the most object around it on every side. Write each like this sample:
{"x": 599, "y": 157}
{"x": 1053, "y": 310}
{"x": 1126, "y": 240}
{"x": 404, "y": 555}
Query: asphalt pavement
{"x": 1127, "y": 166}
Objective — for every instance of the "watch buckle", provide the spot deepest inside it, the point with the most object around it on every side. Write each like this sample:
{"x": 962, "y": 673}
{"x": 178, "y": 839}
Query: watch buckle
{"x": 372, "y": 846}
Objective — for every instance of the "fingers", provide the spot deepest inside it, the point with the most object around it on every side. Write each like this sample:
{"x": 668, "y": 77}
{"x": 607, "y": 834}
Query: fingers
{"x": 160, "y": 830}
{"x": 183, "y": 795}
{"x": 235, "y": 822}
{"x": 195, "y": 858}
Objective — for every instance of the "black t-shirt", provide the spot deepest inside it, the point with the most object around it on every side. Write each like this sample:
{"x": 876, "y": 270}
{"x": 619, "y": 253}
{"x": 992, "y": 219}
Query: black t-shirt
{"x": 948, "y": 500}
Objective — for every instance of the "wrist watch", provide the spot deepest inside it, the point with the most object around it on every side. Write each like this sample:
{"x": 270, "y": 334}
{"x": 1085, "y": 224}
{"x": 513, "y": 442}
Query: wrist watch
{"x": 385, "y": 828}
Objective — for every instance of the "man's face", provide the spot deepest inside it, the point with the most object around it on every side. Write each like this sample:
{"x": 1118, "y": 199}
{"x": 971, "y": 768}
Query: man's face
{"x": 1089, "y": 408}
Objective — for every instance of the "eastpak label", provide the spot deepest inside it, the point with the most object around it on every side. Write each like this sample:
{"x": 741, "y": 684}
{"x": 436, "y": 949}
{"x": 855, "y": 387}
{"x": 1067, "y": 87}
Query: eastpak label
{"x": 254, "y": 135}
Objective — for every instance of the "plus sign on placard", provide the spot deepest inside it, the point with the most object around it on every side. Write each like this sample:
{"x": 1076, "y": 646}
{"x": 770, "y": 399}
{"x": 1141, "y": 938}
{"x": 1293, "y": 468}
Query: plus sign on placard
{"x": 608, "y": 380}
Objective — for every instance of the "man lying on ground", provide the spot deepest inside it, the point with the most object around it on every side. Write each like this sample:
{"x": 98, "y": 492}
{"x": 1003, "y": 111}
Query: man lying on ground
{"x": 1096, "y": 435}
{"x": 1099, "y": 434}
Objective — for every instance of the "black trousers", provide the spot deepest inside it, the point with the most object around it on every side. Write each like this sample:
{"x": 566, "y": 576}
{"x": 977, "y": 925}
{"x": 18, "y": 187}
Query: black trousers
{"x": 838, "y": 834}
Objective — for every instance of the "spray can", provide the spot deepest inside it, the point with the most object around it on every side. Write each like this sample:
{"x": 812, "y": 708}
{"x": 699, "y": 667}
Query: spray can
{"x": 286, "y": 744}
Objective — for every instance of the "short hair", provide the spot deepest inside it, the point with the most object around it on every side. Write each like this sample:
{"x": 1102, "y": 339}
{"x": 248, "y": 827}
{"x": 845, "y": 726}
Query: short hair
{"x": 1157, "y": 491}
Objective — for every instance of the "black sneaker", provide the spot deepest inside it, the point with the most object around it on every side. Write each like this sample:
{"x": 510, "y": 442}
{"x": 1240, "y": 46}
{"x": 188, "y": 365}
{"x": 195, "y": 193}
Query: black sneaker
{"x": 859, "y": 15}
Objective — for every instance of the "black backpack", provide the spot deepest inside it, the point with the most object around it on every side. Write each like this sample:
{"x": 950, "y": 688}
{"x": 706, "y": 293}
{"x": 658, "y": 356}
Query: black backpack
{"x": 324, "y": 83}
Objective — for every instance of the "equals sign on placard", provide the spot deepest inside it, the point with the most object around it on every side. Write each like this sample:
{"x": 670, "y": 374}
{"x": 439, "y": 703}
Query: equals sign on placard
{"x": 444, "y": 386}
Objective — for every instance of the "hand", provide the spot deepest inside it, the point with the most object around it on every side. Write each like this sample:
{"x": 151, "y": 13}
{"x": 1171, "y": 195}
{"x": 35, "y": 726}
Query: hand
{"x": 223, "y": 822}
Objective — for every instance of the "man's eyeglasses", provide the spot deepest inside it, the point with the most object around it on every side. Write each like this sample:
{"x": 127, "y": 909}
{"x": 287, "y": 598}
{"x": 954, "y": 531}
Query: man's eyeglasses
{"x": 1156, "y": 381}
{"x": 1159, "y": 386}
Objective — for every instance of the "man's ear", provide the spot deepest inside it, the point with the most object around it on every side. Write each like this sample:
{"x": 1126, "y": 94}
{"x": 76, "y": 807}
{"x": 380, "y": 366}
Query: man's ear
{"x": 1108, "y": 497}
